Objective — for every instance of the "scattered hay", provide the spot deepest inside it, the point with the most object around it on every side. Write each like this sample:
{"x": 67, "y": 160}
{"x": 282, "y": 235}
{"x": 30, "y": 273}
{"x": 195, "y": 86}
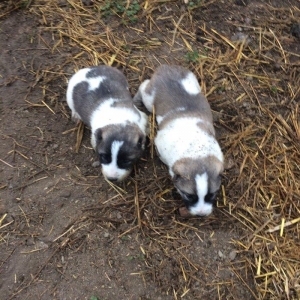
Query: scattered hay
{"x": 253, "y": 87}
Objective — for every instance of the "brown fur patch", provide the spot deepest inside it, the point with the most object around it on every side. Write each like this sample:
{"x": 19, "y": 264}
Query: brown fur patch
{"x": 186, "y": 169}
{"x": 170, "y": 95}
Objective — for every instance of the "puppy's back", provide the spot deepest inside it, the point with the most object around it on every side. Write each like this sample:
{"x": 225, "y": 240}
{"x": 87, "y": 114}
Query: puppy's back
{"x": 90, "y": 87}
{"x": 113, "y": 82}
{"x": 177, "y": 88}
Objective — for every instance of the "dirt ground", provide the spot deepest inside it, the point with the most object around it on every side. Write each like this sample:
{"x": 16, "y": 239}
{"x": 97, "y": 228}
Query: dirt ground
{"x": 66, "y": 233}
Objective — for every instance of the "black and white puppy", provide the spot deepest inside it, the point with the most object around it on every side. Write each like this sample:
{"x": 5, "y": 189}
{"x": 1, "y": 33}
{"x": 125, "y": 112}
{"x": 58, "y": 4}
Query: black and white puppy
{"x": 185, "y": 140}
{"x": 100, "y": 97}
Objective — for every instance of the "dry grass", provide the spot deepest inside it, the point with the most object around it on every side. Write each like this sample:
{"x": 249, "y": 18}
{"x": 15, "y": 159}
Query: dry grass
{"x": 254, "y": 90}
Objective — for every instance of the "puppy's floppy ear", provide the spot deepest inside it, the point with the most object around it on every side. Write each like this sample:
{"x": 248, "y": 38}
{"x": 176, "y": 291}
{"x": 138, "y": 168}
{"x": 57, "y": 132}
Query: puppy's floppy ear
{"x": 98, "y": 135}
{"x": 215, "y": 166}
{"x": 175, "y": 177}
{"x": 141, "y": 141}
{"x": 180, "y": 168}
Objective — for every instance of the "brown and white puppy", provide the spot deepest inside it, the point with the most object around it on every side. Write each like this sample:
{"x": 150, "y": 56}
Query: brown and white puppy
{"x": 100, "y": 97}
{"x": 185, "y": 140}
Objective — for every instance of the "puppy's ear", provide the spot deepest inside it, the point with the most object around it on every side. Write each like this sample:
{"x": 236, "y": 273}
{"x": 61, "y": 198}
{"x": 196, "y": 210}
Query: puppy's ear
{"x": 180, "y": 168}
{"x": 215, "y": 166}
{"x": 176, "y": 177}
{"x": 141, "y": 141}
{"x": 98, "y": 135}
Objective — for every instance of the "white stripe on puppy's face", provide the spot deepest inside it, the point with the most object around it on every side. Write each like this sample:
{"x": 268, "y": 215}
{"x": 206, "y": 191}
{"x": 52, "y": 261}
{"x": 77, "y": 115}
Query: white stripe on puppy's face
{"x": 111, "y": 170}
{"x": 106, "y": 114}
{"x": 190, "y": 84}
{"x": 201, "y": 208}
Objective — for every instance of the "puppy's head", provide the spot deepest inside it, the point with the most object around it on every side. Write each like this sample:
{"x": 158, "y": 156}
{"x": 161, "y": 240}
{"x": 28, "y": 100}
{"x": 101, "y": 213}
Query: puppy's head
{"x": 118, "y": 147}
{"x": 198, "y": 181}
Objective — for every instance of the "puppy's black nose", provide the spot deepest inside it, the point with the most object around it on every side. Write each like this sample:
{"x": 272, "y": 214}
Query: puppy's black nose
{"x": 112, "y": 179}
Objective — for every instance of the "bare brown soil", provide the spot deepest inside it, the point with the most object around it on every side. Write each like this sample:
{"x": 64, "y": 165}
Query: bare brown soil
{"x": 65, "y": 233}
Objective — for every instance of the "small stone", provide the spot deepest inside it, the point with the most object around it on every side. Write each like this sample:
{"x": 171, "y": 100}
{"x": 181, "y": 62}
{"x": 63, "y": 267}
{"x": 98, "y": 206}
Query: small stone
{"x": 30, "y": 242}
{"x": 229, "y": 164}
{"x": 41, "y": 245}
{"x": 65, "y": 194}
{"x": 295, "y": 30}
{"x": 277, "y": 66}
{"x": 239, "y": 37}
{"x": 220, "y": 253}
{"x": 251, "y": 113}
{"x": 88, "y": 2}
{"x": 62, "y": 3}
{"x": 241, "y": 2}
{"x": 119, "y": 216}
{"x": 106, "y": 234}
{"x": 96, "y": 164}
{"x": 232, "y": 255}
{"x": 247, "y": 21}
{"x": 55, "y": 146}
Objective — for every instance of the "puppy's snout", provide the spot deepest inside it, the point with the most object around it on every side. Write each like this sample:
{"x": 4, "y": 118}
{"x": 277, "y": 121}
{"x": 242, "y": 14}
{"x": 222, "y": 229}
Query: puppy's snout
{"x": 112, "y": 179}
{"x": 201, "y": 210}
{"x": 201, "y": 214}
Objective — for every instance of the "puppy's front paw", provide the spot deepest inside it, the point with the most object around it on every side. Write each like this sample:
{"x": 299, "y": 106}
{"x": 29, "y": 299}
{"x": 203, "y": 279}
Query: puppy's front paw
{"x": 184, "y": 212}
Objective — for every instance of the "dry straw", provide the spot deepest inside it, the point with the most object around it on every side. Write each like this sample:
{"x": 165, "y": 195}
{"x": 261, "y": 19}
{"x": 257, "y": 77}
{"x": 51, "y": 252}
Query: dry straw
{"x": 257, "y": 113}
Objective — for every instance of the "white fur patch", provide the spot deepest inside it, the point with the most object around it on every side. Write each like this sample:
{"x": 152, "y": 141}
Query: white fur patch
{"x": 201, "y": 208}
{"x": 94, "y": 82}
{"x": 183, "y": 138}
{"x": 159, "y": 119}
{"x": 147, "y": 99}
{"x": 112, "y": 170}
{"x": 190, "y": 84}
{"x": 74, "y": 80}
{"x": 105, "y": 115}
{"x": 79, "y": 77}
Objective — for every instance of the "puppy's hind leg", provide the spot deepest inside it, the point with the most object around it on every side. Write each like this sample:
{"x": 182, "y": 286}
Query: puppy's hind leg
{"x": 138, "y": 99}
{"x": 144, "y": 96}
{"x": 75, "y": 117}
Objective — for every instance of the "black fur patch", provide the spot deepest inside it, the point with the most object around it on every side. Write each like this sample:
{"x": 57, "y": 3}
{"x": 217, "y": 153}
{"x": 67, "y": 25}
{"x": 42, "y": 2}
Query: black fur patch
{"x": 105, "y": 158}
{"x": 114, "y": 85}
{"x": 210, "y": 197}
{"x": 191, "y": 199}
{"x": 127, "y": 155}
